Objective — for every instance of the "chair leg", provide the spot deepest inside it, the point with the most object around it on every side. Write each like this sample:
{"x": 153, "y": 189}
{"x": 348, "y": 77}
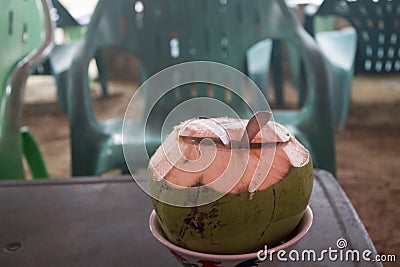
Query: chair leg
{"x": 61, "y": 84}
{"x": 277, "y": 72}
{"x": 302, "y": 85}
{"x": 102, "y": 72}
{"x": 340, "y": 94}
{"x": 33, "y": 155}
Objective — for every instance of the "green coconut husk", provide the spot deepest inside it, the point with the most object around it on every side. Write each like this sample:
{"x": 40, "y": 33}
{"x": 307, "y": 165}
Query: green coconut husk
{"x": 239, "y": 221}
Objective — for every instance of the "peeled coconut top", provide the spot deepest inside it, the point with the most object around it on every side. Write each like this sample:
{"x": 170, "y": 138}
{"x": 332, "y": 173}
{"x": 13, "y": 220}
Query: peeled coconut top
{"x": 202, "y": 152}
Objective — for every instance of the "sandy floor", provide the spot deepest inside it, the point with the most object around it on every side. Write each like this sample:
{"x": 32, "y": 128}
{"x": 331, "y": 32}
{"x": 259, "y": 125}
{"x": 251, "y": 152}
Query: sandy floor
{"x": 367, "y": 151}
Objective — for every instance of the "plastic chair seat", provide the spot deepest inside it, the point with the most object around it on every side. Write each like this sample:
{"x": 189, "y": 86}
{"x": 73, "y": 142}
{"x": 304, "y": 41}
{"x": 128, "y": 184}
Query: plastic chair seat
{"x": 110, "y": 150}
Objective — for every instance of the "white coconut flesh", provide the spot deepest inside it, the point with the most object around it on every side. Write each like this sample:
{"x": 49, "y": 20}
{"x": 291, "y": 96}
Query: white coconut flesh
{"x": 196, "y": 153}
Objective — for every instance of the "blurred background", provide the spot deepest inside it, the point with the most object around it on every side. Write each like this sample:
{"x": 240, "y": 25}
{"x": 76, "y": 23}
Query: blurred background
{"x": 368, "y": 158}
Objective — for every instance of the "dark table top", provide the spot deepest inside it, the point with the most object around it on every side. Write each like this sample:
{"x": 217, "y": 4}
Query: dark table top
{"x": 104, "y": 222}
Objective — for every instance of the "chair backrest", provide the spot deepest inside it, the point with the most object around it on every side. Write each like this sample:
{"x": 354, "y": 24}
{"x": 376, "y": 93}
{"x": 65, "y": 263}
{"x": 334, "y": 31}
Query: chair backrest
{"x": 26, "y": 37}
{"x": 378, "y": 28}
{"x": 162, "y": 33}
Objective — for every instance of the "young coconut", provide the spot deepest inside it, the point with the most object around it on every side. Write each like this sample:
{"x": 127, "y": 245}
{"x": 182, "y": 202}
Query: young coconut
{"x": 247, "y": 195}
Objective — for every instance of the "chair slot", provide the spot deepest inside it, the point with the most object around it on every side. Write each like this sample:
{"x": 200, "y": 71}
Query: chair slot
{"x": 363, "y": 11}
{"x": 224, "y": 46}
{"x": 370, "y": 23}
{"x": 393, "y": 38}
{"x": 390, "y": 52}
{"x": 222, "y": 5}
{"x": 369, "y": 51}
{"x": 379, "y": 11}
{"x": 397, "y": 65}
{"x": 388, "y": 66}
{"x": 174, "y": 47}
{"x": 379, "y": 52}
{"x": 139, "y": 7}
{"x": 381, "y": 24}
{"x": 378, "y": 66}
{"x": 139, "y": 13}
{"x": 25, "y": 33}
{"x": 192, "y": 48}
{"x": 365, "y": 35}
{"x": 381, "y": 38}
{"x": 10, "y": 22}
{"x": 389, "y": 8}
{"x": 368, "y": 65}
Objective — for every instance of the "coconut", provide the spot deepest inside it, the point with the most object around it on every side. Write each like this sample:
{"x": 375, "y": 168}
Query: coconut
{"x": 214, "y": 194}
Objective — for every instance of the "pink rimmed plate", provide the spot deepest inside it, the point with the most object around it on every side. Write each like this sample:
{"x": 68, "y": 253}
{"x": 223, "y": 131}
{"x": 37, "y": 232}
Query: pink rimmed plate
{"x": 193, "y": 258}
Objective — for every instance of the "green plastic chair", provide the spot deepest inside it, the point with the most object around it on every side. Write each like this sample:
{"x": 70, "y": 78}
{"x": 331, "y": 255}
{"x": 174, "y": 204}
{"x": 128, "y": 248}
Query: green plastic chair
{"x": 26, "y": 38}
{"x": 375, "y": 46}
{"x": 338, "y": 48}
{"x": 227, "y": 32}
{"x": 59, "y": 60}
{"x": 378, "y": 30}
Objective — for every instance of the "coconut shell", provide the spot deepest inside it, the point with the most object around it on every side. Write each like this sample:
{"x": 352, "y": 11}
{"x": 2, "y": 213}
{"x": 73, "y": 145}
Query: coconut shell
{"x": 264, "y": 203}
